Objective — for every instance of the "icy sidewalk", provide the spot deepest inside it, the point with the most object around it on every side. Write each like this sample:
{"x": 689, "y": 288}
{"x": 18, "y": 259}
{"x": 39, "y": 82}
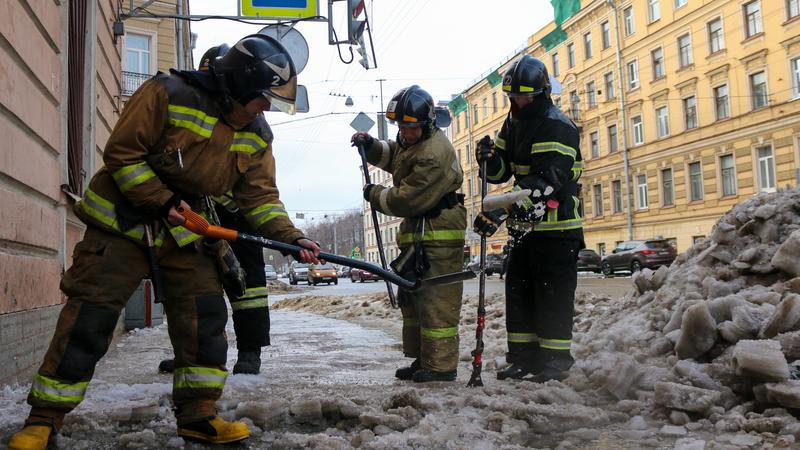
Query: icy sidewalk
{"x": 127, "y": 404}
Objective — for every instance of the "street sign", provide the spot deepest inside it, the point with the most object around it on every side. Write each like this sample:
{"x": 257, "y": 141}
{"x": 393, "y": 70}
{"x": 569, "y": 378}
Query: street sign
{"x": 362, "y": 122}
{"x": 279, "y": 9}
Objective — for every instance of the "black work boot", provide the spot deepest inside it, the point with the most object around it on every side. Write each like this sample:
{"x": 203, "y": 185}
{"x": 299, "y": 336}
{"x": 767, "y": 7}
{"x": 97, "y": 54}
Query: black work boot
{"x": 515, "y": 371}
{"x": 406, "y": 373}
{"x": 426, "y": 375}
{"x": 167, "y": 366}
{"x": 249, "y": 362}
{"x": 555, "y": 369}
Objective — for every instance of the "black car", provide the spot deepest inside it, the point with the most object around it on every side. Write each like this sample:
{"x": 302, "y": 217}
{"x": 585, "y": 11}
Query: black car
{"x": 588, "y": 261}
{"x": 633, "y": 256}
{"x": 494, "y": 263}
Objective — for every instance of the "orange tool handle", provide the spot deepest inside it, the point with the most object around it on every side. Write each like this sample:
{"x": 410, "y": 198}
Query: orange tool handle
{"x": 197, "y": 224}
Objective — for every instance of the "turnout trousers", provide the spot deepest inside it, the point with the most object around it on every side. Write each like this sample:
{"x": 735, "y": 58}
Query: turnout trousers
{"x": 540, "y": 296}
{"x": 431, "y": 314}
{"x": 250, "y": 311}
{"x": 106, "y": 269}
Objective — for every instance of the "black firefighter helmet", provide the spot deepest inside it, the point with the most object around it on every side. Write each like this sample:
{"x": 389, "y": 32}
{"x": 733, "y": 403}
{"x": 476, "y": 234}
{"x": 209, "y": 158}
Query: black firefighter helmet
{"x": 211, "y": 55}
{"x": 412, "y": 107}
{"x": 259, "y": 65}
{"x": 527, "y": 76}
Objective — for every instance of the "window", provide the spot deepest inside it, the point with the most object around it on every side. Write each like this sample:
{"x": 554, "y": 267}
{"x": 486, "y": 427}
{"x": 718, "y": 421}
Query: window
{"x": 715, "y": 36}
{"x": 574, "y": 101}
{"x": 475, "y": 114}
{"x": 795, "y": 68}
{"x": 766, "y": 168}
{"x": 556, "y": 71}
{"x": 616, "y": 196}
{"x": 680, "y": 3}
{"x": 587, "y": 45}
{"x": 662, "y": 120}
{"x": 494, "y": 102}
{"x": 657, "y": 58}
{"x": 485, "y": 107}
{"x": 606, "y": 35}
{"x": 792, "y": 9}
{"x": 728, "y": 175}
{"x": 137, "y": 53}
{"x": 601, "y": 249}
{"x": 667, "y": 192}
{"x": 591, "y": 95}
{"x": 627, "y": 17}
{"x": 597, "y": 191}
{"x": 505, "y": 100}
{"x": 594, "y": 144}
{"x": 466, "y": 119}
{"x": 571, "y": 55}
{"x": 758, "y": 89}
{"x": 752, "y": 18}
{"x": 608, "y": 81}
{"x": 633, "y": 74}
{"x": 612, "y": 139}
{"x": 637, "y": 129}
{"x": 458, "y": 123}
{"x": 690, "y": 112}
{"x": 641, "y": 191}
{"x": 721, "y": 102}
{"x": 695, "y": 181}
{"x": 685, "y": 50}
{"x": 653, "y": 10}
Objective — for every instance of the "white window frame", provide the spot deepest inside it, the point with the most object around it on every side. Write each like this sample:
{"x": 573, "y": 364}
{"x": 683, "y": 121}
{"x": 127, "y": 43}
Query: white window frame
{"x": 680, "y": 3}
{"x": 751, "y": 86}
{"x": 792, "y": 9}
{"x": 794, "y": 70}
{"x": 629, "y": 19}
{"x": 571, "y": 55}
{"x": 685, "y": 58}
{"x": 594, "y": 144}
{"x": 637, "y": 130}
{"x": 653, "y": 10}
{"x": 153, "y": 49}
{"x": 591, "y": 94}
{"x": 722, "y": 176}
{"x": 597, "y": 200}
{"x": 556, "y": 69}
{"x": 588, "y": 52}
{"x": 616, "y": 197}
{"x": 690, "y": 180}
{"x": 686, "y": 111}
{"x": 756, "y": 22}
{"x": 632, "y": 71}
{"x": 641, "y": 192}
{"x": 765, "y": 163}
{"x": 485, "y": 107}
{"x": 605, "y": 35}
{"x": 662, "y": 121}
{"x": 613, "y": 141}
{"x": 715, "y": 91}
{"x": 608, "y": 81}
{"x": 711, "y": 40}
{"x": 661, "y": 63}
{"x": 667, "y": 189}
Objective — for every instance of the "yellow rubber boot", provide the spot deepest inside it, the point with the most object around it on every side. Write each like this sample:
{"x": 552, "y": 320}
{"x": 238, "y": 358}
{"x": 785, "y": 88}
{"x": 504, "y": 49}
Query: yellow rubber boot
{"x": 214, "y": 431}
{"x": 32, "y": 437}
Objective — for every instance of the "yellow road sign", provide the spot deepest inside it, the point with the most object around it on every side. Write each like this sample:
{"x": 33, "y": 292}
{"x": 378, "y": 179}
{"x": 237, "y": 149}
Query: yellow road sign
{"x": 279, "y": 9}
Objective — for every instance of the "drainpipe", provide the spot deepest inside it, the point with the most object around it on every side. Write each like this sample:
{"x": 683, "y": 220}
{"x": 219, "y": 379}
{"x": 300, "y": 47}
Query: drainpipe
{"x": 179, "y": 31}
{"x": 623, "y": 126}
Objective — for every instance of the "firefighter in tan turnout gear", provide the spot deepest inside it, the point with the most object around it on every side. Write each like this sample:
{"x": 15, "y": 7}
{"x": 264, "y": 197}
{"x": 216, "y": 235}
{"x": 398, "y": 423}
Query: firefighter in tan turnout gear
{"x": 426, "y": 174}
{"x": 181, "y": 136}
{"x": 538, "y": 147}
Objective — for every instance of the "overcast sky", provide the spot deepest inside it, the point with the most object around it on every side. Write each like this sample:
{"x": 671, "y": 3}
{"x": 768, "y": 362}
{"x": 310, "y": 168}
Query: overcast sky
{"x": 442, "y": 45}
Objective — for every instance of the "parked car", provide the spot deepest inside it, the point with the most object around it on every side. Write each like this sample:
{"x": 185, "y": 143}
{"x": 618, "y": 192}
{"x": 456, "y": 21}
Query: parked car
{"x": 589, "y": 261}
{"x": 343, "y": 272}
{"x": 635, "y": 255}
{"x": 361, "y": 275}
{"x": 321, "y": 273}
{"x": 494, "y": 263}
{"x": 270, "y": 272}
{"x": 298, "y": 272}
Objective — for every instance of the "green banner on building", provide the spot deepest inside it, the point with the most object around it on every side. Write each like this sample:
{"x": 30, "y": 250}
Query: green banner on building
{"x": 494, "y": 79}
{"x": 457, "y": 105}
{"x": 553, "y": 38}
{"x": 564, "y": 9}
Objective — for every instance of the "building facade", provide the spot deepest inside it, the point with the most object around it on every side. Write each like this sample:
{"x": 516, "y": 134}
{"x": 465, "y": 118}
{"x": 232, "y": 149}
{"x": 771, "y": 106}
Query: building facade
{"x": 685, "y": 109}
{"x": 388, "y": 225}
{"x": 60, "y": 93}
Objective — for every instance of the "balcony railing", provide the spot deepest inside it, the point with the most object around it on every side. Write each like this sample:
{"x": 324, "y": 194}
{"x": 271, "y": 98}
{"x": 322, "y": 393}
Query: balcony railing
{"x": 131, "y": 82}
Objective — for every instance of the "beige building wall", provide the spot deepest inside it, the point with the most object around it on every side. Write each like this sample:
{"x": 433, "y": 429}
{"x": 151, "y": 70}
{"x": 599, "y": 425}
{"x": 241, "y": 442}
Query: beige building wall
{"x": 389, "y": 225}
{"x": 727, "y": 158}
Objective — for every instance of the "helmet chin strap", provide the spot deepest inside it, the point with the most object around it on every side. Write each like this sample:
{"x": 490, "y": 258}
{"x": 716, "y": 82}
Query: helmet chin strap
{"x": 226, "y": 101}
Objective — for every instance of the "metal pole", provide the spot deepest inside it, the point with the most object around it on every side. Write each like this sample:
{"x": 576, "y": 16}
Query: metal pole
{"x": 623, "y": 121}
{"x": 378, "y": 237}
{"x": 477, "y": 354}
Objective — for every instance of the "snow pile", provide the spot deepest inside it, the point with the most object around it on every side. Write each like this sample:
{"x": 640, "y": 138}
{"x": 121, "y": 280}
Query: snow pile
{"x": 279, "y": 287}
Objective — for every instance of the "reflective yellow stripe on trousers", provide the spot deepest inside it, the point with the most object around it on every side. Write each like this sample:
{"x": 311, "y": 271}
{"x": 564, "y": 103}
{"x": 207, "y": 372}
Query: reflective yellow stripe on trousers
{"x": 432, "y": 235}
{"x": 199, "y": 378}
{"x": 54, "y": 391}
{"x": 252, "y": 298}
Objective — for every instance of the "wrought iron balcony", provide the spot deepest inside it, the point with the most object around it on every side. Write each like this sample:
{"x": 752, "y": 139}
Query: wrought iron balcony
{"x": 131, "y": 82}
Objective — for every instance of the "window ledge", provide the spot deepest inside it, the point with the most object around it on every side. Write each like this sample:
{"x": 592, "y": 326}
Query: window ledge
{"x": 792, "y": 20}
{"x": 696, "y": 202}
{"x": 717, "y": 54}
{"x": 729, "y": 197}
{"x": 658, "y": 80}
{"x": 685, "y": 68}
{"x": 753, "y": 38}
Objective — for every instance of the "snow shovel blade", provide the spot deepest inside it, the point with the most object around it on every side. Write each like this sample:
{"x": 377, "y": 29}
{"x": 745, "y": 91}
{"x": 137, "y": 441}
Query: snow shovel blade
{"x": 449, "y": 278}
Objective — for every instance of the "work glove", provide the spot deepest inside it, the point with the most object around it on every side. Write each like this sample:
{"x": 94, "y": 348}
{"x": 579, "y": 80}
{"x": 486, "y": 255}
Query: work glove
{"x": 485, "y": 149}
{"x": 368, "y": 190}
{"x": 362, "y": 139}
{"x": 487, "y": 222}
{"x": 534, "y": 207}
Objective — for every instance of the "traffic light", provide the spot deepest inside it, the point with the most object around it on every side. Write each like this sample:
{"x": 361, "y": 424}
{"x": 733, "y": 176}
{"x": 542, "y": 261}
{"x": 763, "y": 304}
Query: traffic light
{"x": 355, "y": 27}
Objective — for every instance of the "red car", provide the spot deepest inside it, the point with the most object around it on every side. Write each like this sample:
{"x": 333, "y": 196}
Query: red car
{"x": 361, "y": 275}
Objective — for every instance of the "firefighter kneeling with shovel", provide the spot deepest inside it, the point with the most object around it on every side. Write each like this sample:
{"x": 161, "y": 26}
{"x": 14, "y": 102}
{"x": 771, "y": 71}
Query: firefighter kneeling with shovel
{"x": 181, "y": 137}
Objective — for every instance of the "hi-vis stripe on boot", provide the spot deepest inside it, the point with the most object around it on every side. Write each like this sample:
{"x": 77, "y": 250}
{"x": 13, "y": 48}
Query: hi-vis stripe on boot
{"x": 523, "y": 338}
